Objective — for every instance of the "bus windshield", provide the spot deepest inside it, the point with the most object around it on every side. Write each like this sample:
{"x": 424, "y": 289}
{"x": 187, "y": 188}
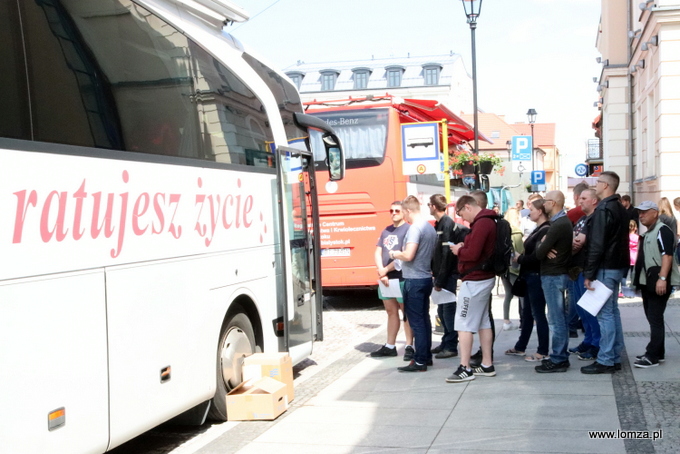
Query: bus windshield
{"x": 363, "y": 133}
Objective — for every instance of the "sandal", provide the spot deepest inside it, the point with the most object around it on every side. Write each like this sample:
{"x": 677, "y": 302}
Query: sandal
{"x": 536, "y": 357}
{"x": 513, "y": 352}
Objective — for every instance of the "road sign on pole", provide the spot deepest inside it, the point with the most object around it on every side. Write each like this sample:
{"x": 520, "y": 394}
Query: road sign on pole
{"x": 420, "y": 148}
{"x": 581, "y": 170}
{"x": 538, "y": 177}
{"x": 520, "y": 155}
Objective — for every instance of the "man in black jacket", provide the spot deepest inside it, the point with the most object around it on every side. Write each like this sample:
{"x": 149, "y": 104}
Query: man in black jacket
{"x": 555, "y": 280}
{"x": 607, "y": 261}
{"x": 445, "y": 272}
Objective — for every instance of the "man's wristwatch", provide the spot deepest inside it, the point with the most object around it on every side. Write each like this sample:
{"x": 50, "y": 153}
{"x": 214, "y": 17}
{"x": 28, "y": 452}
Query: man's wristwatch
{"x": 663, "y": 278}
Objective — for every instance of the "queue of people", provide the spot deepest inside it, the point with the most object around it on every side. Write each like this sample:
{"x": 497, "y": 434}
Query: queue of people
{"x": 558, "y": 256}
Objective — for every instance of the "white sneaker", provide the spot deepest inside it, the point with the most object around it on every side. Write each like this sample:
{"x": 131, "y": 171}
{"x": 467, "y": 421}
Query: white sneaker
{"x": 509, "y": 326}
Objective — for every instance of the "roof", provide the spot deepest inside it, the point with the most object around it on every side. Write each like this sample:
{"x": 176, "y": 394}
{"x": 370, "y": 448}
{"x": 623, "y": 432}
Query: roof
{"x": 495, "y": 127}
{"x": 412, "y": 75}
{"x": 544, "y": 133}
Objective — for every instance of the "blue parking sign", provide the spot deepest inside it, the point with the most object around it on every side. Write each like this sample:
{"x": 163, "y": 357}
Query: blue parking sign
{"x": 538, "y": 177}
{"x": 521, "y": 148}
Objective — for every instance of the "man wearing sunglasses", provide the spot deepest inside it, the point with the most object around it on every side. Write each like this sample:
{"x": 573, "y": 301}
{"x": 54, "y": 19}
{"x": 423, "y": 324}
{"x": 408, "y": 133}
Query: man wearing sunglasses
{"x": 392, "y": 239}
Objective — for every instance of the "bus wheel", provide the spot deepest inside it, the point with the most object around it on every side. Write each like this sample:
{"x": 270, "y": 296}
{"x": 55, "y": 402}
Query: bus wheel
{"x": 237, "y": 341}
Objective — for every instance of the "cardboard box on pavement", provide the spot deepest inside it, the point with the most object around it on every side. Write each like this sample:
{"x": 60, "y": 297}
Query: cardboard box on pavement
{"x": 278, "y": 366}
{"x": 261, "y": 399}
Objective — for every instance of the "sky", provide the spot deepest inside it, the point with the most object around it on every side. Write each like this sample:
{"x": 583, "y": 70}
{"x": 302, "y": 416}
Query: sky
{"x": 536, "y": 54}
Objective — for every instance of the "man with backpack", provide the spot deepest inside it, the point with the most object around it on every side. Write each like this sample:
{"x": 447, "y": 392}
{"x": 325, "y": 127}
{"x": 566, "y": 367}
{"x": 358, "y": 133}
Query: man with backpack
{"x": 474, "y": 296}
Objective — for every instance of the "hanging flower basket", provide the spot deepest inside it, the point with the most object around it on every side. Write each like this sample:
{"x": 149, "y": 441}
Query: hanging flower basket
{"x": 468, "y": 168}
{"x": 489, "y": 163}
{"x": 485, "y": 167}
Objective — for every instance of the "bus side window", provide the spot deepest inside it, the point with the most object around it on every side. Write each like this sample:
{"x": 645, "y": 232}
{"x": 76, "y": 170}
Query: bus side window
{"x": 14, "y": 113}
{"x": 112, "y": 75}
{"x": 234, "y": 122}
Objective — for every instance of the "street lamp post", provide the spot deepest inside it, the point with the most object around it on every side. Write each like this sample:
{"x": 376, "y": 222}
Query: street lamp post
{"x": 531, "y": 116}
{"x": 472, "y": 9}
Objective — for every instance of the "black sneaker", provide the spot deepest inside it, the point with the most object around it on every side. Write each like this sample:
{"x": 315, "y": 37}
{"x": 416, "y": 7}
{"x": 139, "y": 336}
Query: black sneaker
{"x": 597, "y": 368}
{"x": 573, "y": 334}
{"x": 461, "y": 375}
{"x": 485, "y": 371}
{"x": 476, "y": 359}
{"x": 408, "y": 353}
{"x": 661, "y": 360}
{"x": 384, "y": 351}
{"x": 446, "y": 354}
{"x": 437, "y": 349}
{"x": 477, "y": 356}
{"x": 580, "y": 348}
{"x": 590, "y": 355}
{"x": 413, "y": 367}
{"x": 618, "y": 366}
{"x": 645, "y": 363}
{"x": 548, "y": 367}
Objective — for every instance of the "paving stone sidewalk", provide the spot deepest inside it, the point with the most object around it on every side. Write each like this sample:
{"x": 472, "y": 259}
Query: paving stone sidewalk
{"x": 655, "y": 391}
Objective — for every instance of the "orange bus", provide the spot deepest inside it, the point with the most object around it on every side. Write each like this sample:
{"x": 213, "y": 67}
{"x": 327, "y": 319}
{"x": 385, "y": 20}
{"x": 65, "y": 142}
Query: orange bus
{"x": 353, "y": 211}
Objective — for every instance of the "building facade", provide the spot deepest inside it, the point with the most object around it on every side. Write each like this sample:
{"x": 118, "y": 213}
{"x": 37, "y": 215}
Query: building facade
{"x": 638, "y": 93}
{"x": 439, "y": 77}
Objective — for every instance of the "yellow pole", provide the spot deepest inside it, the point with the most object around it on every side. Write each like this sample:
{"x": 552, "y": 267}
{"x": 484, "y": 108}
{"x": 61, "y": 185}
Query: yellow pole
{"x": 445, "y": 152}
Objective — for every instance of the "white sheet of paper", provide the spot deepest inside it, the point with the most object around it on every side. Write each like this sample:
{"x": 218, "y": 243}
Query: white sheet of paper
{"x": 391, "y": 291}
{"x": 593, "y": 300}
{"x": 443, "y": 296}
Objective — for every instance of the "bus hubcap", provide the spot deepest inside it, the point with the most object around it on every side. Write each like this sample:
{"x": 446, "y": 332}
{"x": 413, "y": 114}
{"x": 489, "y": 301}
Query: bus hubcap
{"x": 236, "y": 347}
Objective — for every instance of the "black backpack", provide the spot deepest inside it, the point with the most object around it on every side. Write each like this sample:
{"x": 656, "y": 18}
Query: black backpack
{"x": 499, "y": 263}
{"x": 503, "y": 250}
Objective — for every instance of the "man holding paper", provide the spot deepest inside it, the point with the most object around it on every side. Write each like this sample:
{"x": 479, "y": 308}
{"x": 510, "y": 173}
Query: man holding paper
{"x": 607, "y": 260}
{"x": 655, "y": 272}
{"x": 390, "y": 283}
{"x": 445, "y": 274}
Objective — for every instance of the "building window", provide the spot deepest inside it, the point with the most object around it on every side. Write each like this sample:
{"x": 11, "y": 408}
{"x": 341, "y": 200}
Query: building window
{"x": 394, "y": 78}
{"x": 431, "y": 73}
{"x": 495, "y": 134}
{"x": 328, "y": 79}
{"x": 431, "y": 76}
{"x": 296, "y": 77}
{"x": 361, "y": 79}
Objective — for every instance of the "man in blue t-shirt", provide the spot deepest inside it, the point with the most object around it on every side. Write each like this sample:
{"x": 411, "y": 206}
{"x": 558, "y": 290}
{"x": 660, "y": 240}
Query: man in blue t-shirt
{"x": 392, "y": 239}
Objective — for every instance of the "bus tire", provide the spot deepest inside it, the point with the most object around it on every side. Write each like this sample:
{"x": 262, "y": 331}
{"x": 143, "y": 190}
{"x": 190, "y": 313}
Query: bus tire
{"x": 237, "y": 340}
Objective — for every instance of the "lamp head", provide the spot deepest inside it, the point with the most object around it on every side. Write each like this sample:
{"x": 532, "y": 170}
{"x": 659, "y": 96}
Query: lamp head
{"x": 472, "y": 10}
{"x": 531, "y": 116}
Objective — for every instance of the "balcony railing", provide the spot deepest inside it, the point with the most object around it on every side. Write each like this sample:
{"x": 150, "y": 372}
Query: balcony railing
{"x": 595, "y": 150}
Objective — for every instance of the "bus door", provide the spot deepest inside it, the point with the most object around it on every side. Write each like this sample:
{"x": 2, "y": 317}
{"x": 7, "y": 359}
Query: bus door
{"x": 298, "y": 250}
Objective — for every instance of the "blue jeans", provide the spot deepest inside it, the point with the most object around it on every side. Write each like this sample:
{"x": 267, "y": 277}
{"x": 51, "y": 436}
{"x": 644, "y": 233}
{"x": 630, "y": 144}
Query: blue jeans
{"x": 536, "y": 302}
{"x": 417, "y": 306}
{"x": 554, "y": 289}
{"x": 609, "y": 318}
{"x": 590, "y": 323}
{"x": 447, "y": 315}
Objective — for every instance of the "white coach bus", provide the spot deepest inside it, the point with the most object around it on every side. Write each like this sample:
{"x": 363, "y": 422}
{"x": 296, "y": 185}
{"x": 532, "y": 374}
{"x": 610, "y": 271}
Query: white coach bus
{"x": 155, "y": 225}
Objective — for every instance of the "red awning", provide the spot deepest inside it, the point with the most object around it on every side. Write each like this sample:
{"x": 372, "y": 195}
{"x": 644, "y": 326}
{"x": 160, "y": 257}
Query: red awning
{"x": 431, "y": 110}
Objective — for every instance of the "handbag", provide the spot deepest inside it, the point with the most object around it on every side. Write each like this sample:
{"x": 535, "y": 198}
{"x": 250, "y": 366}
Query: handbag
{"x": 519, "y": 287}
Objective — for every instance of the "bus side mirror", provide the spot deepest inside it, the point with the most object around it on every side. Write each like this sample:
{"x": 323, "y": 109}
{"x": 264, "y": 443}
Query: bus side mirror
{"x": 334, "y": 157}
{"x": 484, "y": 183}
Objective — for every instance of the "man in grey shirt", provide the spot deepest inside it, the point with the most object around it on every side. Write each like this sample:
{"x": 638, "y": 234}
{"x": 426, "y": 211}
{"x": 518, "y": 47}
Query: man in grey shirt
{"x": 416, "y": 270}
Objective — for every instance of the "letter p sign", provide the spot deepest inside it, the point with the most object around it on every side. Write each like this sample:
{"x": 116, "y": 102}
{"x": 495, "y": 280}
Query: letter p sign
{"x": 521, "y": 148}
